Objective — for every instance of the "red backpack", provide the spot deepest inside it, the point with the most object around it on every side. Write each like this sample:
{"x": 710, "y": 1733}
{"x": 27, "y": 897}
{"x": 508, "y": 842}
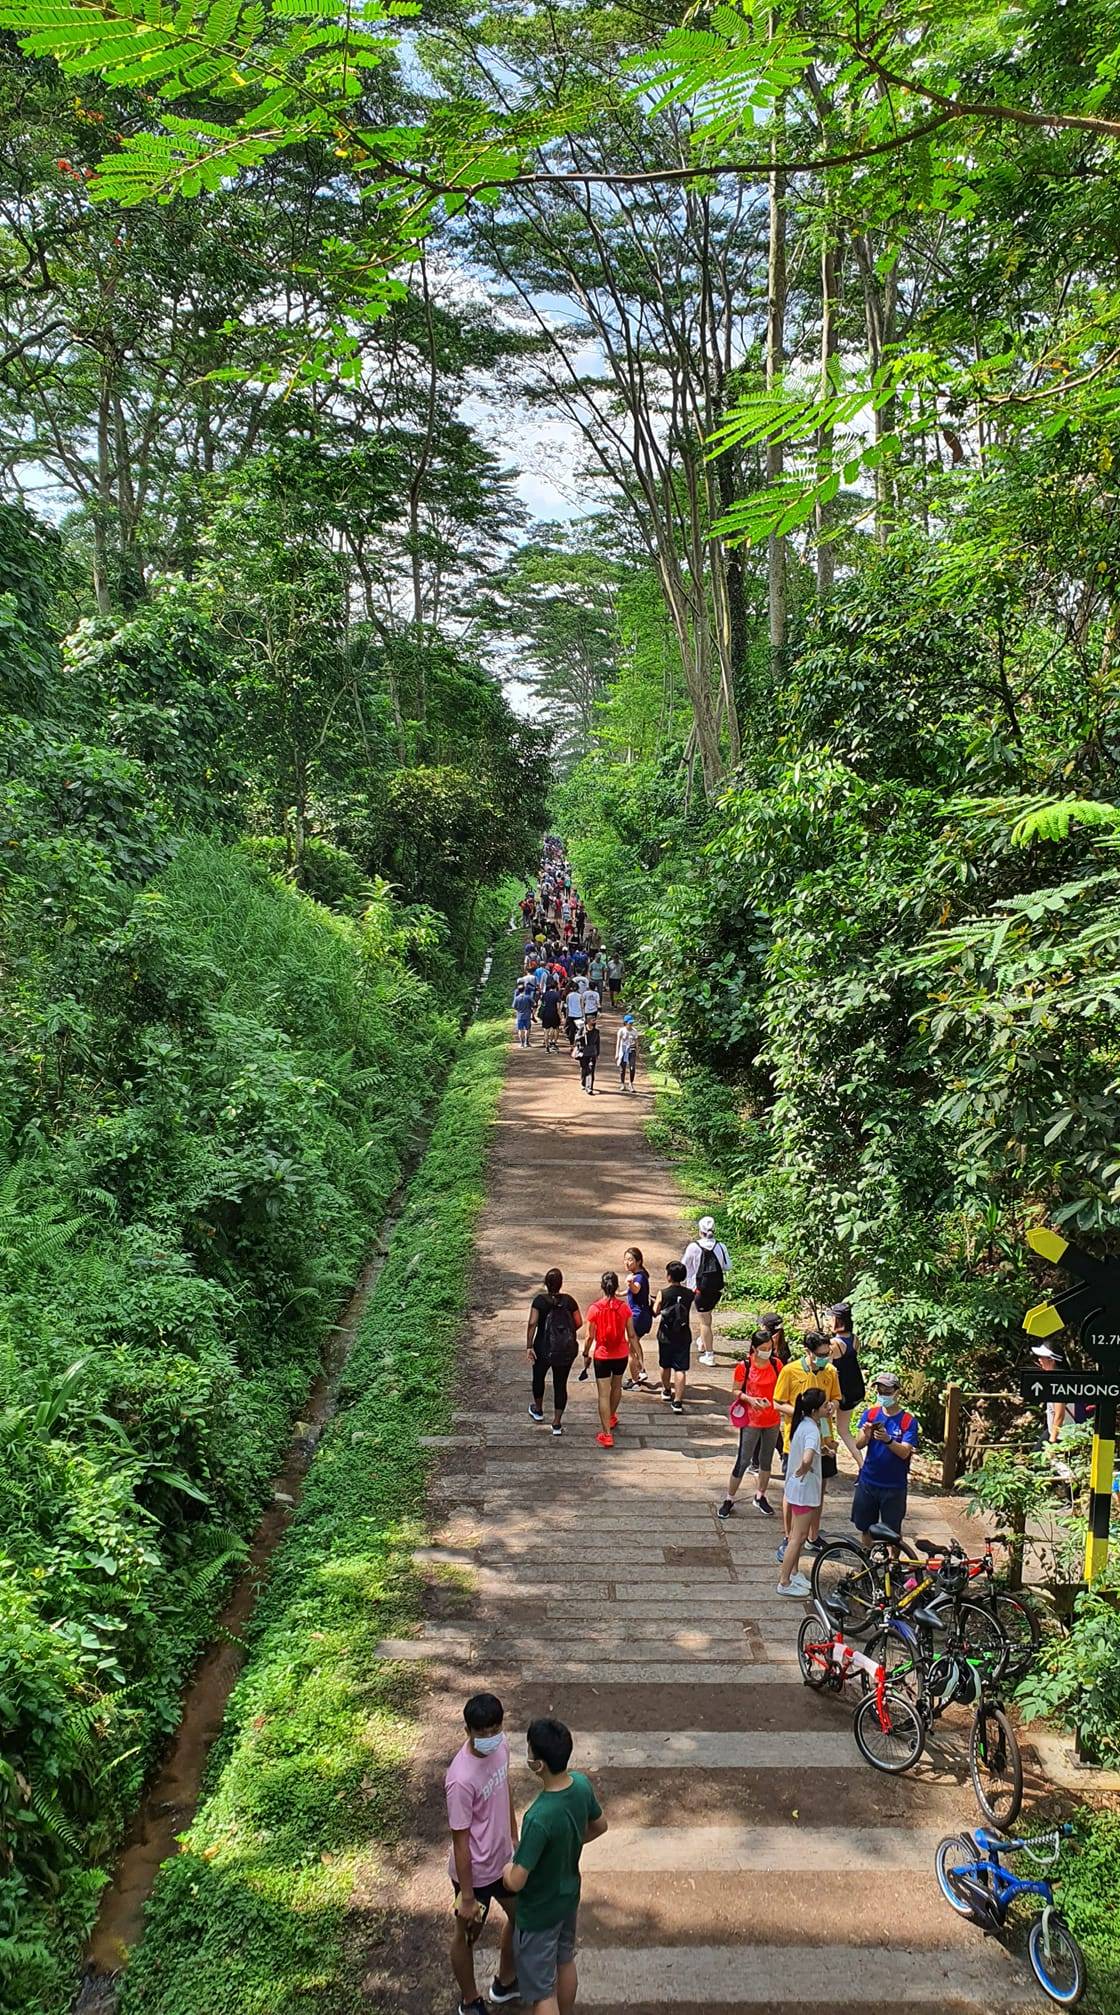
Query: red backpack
{"x": 905, "y": 1420}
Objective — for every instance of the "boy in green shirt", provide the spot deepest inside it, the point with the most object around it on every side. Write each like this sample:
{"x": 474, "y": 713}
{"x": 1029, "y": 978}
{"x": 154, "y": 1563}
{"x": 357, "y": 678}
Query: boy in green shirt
{"x": 544, "y": 1871}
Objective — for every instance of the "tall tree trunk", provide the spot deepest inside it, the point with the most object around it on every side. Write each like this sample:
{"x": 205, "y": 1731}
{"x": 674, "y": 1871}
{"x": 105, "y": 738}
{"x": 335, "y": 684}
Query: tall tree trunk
{"x": 776, "y": 288}
{"x": 880, "y": 301}
{"x": 830, "y": 343}
{"x": 103, "y": 507}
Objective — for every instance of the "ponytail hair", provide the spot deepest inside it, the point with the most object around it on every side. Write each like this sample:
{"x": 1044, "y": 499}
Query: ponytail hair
{"x": 609, "y": 1283}
{"x": 807, "y": 1402}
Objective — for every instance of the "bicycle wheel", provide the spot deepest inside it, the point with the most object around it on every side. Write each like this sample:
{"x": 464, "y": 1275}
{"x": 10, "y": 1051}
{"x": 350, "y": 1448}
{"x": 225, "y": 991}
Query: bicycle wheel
{"x": 893, "y": 1743}
{"x": 814, "y": 1652}
{"x": 1056, "y": 1959}
{"x": 995, "y": 1766}
{"x": 955, "y": 1852}
{"x": 844, "y": 1580}
{"x": 979, "y": 1638}
{"x": 896, "y": 1648}
{"x": 1019, "y": 1625}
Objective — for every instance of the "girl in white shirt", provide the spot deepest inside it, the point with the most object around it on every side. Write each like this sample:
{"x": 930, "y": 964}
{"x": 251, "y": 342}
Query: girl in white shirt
{"x": 804, "y": 1485}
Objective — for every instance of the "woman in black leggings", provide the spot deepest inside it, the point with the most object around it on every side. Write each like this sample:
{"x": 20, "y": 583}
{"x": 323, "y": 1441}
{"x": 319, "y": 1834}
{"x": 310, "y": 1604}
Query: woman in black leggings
{"x": 551, "y": 1344}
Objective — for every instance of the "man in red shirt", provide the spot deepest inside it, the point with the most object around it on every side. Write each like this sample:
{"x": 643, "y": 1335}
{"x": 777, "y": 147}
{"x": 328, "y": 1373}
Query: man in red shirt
{"x": 610, "y": 1339}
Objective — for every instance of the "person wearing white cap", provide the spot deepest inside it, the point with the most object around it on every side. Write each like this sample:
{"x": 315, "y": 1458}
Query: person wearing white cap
{"x": 707, "y": 1265}
{"x": 1049, "y": 1359}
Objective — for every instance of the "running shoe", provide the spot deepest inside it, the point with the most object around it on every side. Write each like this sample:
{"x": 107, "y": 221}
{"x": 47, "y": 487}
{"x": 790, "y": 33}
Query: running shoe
{"x": 762, "y": 1504}
{"x": 605, "y": 1440}
{"x": 796, "y": 1586}
{"x": 780, "y": 1551}
{"x": 677, "y": 1407}
{"x": 556, "y": 1428}
{"x": 472, "y": 2007}
{"x": 535, "y": 1413}
{"x": 727, "y": 1508}
{"x": 628, "y": 1384}
{"x": 614, "y": 1420}
{"x": 499, "y": 1995}
{"x": 815, "y": 1545}
{"x": 665, "y": 1393}
{"x": 707, "y": 1357}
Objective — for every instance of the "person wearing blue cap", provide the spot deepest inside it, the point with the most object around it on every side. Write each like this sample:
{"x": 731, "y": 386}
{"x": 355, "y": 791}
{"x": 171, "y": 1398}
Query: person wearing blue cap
{"x": 626, "y": 1051}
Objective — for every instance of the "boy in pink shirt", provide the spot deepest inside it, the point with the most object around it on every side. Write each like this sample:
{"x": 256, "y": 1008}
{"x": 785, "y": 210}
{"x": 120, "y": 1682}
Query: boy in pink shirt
{"x": 483, "y": 1824}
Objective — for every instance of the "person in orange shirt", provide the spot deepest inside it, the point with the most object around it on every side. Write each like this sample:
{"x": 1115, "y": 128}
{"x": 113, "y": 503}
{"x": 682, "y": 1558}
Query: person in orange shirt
{"x": 612, "y": 1340}
{"x": 757, "y": 1378}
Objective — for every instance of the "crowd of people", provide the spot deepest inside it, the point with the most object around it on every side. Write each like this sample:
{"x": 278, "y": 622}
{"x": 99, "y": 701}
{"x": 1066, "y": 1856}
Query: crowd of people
{"x": 565, "y": 974}
{"x": 795, "y": 1399}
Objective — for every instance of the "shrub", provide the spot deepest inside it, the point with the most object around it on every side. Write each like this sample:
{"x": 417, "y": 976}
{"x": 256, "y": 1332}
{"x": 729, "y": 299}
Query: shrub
{"x": 251, "y": 1917}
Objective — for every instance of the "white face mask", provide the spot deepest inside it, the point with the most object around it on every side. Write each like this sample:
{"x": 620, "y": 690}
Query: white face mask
{"x": 485, "y": 1745}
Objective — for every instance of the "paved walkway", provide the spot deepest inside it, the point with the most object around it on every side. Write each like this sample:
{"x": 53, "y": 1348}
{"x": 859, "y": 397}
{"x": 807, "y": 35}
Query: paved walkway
{"x": 753, "y": 1861}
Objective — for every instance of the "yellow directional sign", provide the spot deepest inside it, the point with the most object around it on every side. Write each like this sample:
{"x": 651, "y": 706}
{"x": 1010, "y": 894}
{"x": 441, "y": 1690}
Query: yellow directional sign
{"x": 1042, "y": 1320}
{"x": 1049, "y": 1243}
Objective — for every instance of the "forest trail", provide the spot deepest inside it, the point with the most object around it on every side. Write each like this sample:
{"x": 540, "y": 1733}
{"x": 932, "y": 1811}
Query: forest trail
{"x": 753, "y": 1860}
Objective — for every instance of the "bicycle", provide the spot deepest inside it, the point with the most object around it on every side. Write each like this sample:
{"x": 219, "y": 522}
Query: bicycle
{"x": 889, "y": 1731}
{"x": 934, "y": 1679}
{"x": 1013, "y": 1614}
{"x": 976, "y": 1885}
{"x": 870, "y": 1585}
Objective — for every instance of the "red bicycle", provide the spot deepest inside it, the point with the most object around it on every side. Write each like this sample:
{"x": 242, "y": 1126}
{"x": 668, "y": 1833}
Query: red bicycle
{"x": 890, "y": 1733}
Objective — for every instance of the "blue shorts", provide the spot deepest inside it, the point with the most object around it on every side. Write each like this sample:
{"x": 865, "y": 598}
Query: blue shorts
{"x": 872, "y": 1505}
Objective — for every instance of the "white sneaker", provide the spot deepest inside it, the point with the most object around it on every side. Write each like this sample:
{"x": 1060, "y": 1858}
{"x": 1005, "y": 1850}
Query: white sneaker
{"x": 707, "y": 1357}
{"x": 796, "y": 1585}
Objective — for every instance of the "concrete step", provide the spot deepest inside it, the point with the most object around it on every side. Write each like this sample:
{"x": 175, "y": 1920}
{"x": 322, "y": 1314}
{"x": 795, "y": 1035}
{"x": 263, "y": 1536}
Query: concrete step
{"x": 764, "y": 1850}
{"x": 788, "y": 1977}
{"x": 707, "y": 1749}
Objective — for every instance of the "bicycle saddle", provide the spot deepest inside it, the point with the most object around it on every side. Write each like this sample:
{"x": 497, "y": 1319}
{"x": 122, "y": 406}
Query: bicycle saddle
{"x": 881, "y": 1531}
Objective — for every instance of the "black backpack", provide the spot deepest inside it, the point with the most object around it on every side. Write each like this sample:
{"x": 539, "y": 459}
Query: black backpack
{"x": 675, "y": 1325}
{"x": 560, "y": 1333}
{"x": 709, "y": 1274}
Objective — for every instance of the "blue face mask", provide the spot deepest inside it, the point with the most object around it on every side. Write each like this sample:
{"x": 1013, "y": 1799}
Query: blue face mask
{"x": 485, "y": 1745}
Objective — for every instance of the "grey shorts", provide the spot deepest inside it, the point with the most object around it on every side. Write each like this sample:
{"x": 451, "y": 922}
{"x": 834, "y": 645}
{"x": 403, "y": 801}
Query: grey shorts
{"x": 756, "y": 1449}
{"x": 537, "y": 1954}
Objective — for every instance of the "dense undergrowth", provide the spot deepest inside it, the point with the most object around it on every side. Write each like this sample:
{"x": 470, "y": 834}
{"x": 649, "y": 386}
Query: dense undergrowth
{"x": 251, "y": 1918}
{"x": 170, "y": 1264}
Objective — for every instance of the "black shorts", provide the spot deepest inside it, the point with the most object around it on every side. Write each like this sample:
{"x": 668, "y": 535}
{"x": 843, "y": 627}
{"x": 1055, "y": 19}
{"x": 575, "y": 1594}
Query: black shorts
{"x": 706, "y": 1302}
{"x": 610, "y": 1367}
{"x": 487, "y": 1893}
{"x": 674, "y": 1354}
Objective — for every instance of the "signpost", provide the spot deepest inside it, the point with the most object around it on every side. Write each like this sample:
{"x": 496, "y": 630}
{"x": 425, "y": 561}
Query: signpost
{"x": 1092, "y": 1311}
{"x": 1048, "y": 1386}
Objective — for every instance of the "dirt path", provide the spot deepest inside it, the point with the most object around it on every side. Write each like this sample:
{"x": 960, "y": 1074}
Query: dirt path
{"x": 753, "y": 1861}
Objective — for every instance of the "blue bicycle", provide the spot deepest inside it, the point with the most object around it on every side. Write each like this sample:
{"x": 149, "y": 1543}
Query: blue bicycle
{"x": 976, "y": 1884}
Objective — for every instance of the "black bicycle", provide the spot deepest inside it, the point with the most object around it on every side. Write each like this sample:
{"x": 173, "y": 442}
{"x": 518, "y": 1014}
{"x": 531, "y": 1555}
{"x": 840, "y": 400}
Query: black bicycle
{"x": 943, "y": 1657}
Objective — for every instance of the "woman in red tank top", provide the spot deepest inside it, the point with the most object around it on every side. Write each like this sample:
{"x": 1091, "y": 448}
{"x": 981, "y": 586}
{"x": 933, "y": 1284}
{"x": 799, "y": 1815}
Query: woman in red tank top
{"x": 610, "y": 1340}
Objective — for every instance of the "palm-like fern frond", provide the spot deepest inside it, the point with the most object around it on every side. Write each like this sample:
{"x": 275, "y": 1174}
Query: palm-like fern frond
{"x": 288, "y": 71}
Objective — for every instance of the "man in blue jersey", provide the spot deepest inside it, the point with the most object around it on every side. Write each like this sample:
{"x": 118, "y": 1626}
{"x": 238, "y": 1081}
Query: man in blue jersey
{"x": 888, "y": 1434}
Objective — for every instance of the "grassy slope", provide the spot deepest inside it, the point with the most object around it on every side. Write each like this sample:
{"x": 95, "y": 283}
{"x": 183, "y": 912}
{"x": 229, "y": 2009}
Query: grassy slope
{"x": 251, "y": 1919}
